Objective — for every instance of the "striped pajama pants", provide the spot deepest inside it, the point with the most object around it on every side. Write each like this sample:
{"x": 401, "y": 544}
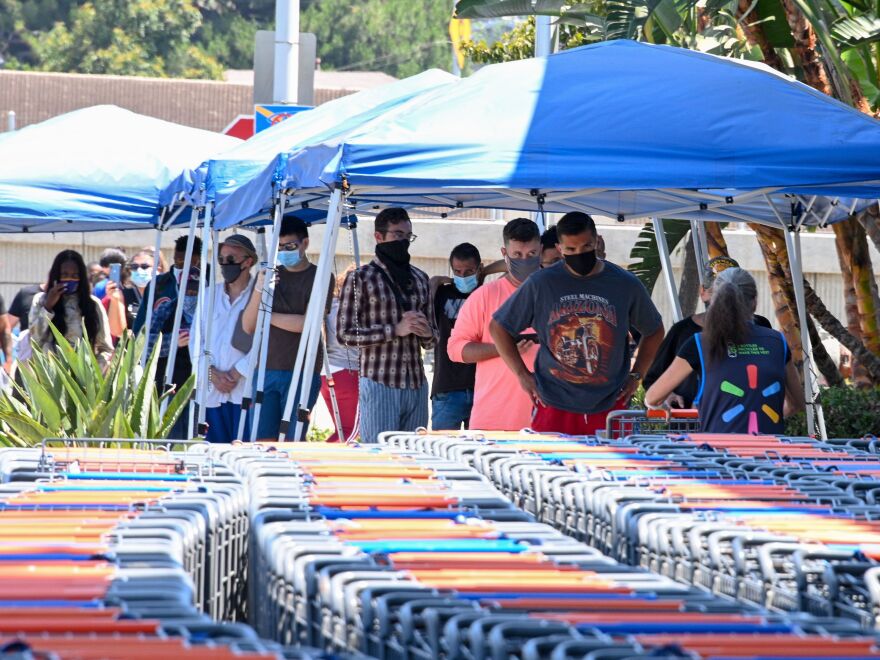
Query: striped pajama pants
{"x": 384, "y": 408}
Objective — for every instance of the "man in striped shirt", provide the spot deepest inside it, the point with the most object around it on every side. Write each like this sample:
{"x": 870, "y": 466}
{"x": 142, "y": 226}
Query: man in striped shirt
{"x": 385, "y": 310}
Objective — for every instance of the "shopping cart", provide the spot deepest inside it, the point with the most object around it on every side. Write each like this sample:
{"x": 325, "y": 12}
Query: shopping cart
{"x": 623, "y": 423}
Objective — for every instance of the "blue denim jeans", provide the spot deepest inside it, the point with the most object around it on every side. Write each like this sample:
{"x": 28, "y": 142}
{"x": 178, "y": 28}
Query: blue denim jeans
{"x": 451, "y": 409}
{"x": 275, "y": 389}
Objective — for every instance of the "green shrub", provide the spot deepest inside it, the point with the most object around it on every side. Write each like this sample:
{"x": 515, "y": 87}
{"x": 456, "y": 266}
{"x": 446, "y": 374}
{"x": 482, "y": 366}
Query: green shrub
{"x": 849, "y": 413}
{"x": 66, "y": 395}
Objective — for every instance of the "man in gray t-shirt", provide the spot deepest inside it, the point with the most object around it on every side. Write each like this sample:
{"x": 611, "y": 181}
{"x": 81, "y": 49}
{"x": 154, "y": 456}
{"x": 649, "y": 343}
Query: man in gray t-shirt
{"x": 582, "y": 310}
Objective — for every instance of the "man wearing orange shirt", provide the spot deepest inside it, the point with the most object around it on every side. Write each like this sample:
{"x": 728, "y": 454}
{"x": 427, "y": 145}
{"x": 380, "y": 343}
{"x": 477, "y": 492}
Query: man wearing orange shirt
{"x": 499, "y": 403}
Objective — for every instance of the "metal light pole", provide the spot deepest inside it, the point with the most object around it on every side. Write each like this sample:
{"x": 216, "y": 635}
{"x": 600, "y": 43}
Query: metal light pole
{"x": 285, "y": 86}
{"x": 543, "y": 36}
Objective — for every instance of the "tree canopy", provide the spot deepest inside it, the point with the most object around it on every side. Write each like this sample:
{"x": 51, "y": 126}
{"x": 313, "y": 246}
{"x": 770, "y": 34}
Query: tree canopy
{"x": 201, "y": 38}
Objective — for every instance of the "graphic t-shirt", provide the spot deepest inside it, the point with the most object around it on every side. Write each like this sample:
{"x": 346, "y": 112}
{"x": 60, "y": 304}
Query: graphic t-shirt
{"x": 582, "y": 325}
{"x": 449, "y": 376}
{"x": 744, "y": 392}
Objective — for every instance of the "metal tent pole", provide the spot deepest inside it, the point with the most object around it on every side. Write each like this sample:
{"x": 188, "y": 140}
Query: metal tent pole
{"x": 205, "y": 356}
{"x": 178, "y": 310}
{"x": 666, "y": 263}
{"x": 700, "y": 246}
{"x": 264, "y": 318}
{"x": 331, "y": 386}
{"x": 811, "y": 387}
{"x": 310, "y": 338}
{"x": 196, "y": 330}
{"x": 151, "y": 295}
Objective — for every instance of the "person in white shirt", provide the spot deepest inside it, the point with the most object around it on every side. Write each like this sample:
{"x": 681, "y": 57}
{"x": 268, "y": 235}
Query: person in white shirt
{"x": 228, "y": 365}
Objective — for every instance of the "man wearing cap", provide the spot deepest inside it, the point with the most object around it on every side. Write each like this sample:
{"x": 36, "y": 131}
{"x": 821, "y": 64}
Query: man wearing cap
{"x": 227, "y": 365}
{"x": 683, "y": 395}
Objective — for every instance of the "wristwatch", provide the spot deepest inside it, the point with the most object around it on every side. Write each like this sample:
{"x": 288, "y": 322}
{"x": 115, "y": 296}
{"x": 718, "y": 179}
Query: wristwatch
{"x": 637, "y": 375}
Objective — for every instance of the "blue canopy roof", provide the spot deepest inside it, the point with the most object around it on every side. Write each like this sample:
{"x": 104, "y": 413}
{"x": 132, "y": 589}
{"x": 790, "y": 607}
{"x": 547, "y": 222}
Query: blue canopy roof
{"x": 622, "y": 129}
{"x": 98, "y": 168}
{"x": 240, "y": 181}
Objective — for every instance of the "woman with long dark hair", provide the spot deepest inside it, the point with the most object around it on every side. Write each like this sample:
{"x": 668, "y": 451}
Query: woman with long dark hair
{"x": 748, "y": 382}
{"x": 68, "y": 304}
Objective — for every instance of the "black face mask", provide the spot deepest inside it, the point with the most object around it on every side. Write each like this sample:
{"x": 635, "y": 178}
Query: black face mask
{"x": 394, "y": 252}
{"x": 230, "y": 272}
{"x": 582, "y": 263}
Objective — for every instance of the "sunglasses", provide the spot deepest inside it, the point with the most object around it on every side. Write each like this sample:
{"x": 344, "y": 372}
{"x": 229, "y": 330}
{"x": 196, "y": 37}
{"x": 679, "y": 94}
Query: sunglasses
{"x": 230, "y": 261}
{"x": 293, "y": 246}
{"x": 135, "y": 267}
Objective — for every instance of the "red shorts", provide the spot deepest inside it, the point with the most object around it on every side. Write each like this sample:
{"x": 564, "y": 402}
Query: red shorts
{"x": 548, "y": 419}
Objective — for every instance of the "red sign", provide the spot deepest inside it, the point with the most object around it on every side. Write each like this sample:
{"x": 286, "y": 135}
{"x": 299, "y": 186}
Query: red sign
{"x": 241, "y": 127}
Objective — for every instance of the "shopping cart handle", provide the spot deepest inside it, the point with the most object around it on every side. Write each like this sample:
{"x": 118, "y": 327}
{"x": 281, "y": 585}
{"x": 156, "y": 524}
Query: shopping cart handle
{"x": 675, "y": 413}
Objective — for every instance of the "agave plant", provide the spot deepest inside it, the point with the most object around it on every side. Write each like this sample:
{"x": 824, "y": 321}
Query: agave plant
{"x": 67, "y": 395}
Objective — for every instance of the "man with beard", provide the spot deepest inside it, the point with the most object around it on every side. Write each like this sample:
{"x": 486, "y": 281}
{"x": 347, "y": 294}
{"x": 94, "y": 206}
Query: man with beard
{"x": 385, "y": 310}
{"x": 582, "y": 309}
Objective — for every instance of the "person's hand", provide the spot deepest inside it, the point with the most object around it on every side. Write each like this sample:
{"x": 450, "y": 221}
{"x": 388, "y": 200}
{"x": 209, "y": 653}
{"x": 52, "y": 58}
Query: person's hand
{"x": 113, "y": 291}
{"x": 183, "y": 339}
{"x": 527, "y": 382}
{"x": 675, "y": 401}
{"x": 7, "y": 366}
{"x": 629, "y": 388}
{"x": 523, "y": 345}
{"x": 222, "y": 381}
{"x": 412, "y": 323}
{"x": 423, "y": 328}
{"x": 53, "y": 295}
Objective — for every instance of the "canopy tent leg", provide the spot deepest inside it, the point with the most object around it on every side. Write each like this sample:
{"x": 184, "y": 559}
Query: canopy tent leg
{"x": 355, "y": 244}
{"x": 698, "y": 236}
{"x": 310, "y": 338}
{"x": 331, "y": 386}
{"x": 260, "y": 343}
{"x": 666, "y": 263}
{"x": 811, "y": 387}
{"x": 196, "y": 339}
{"x": 151, "y": 295}
{"x": 207, "y": 327}
{"x": 178, "y": 310}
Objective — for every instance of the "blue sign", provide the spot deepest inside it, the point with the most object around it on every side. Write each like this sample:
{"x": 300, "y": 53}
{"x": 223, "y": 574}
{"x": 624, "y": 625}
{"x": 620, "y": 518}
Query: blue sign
{"x": 269, "y": 115}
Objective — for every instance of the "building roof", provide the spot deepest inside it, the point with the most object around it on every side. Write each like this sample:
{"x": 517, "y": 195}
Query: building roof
{"x": 206, "y": 104}
{"x": 328, "y": 80}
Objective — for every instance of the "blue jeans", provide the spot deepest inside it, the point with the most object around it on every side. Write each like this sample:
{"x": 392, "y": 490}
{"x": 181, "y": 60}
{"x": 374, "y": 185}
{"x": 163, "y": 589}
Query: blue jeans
{"x": 275, "y": 389}
{"x": 451, "y": 410}
{"x": 223, "y": 422}
{"x": 386, "y": 408}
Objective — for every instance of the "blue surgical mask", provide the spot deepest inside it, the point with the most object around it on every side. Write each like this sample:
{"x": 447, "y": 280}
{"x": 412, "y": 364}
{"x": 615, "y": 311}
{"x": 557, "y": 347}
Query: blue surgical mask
{"x": 289, "y": 259}
{"x": 141, "y": 278}
{"x": 465, "y": 284}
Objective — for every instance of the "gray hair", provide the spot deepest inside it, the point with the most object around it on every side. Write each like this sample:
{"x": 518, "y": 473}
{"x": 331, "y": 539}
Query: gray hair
{"x": 741, "y": 279}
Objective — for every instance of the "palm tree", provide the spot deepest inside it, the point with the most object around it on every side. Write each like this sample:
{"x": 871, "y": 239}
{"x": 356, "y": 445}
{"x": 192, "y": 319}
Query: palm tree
{"x": 830, "y": 45}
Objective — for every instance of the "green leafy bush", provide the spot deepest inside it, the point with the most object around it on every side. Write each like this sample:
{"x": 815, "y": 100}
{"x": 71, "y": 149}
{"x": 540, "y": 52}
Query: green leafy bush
{"x": 66, "y": 395}
{"x": 849, "y": 413}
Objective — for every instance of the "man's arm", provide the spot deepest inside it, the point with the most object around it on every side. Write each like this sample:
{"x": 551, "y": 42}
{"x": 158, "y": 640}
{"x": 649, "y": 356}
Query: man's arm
{"x": 795, "y": 400}
{"x": 644, "y": 357}
{"x": 350, "y": 331}
{"x": 428, "y": 310}
{"x": 509, "y": 352}
{"x": 465, "y": 343}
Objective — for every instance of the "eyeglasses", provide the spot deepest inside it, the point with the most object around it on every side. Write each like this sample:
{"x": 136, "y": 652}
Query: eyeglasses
{"x": 134, "y": 267}
{"x": 402, "y": 236}
{"x": 293, "y": 246}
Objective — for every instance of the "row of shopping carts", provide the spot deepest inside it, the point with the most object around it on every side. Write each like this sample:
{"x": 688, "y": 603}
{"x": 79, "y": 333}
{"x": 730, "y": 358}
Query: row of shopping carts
{"x": 791, "y": 524}
{"x": 111, "y": 551}
{"x": 411, "y": 551}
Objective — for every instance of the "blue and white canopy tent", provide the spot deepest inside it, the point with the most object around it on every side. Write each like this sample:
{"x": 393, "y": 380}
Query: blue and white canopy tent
{"x": 100, "y": 168}
{"x": 239, "y": 186}
{"x": 620, "y": 129}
